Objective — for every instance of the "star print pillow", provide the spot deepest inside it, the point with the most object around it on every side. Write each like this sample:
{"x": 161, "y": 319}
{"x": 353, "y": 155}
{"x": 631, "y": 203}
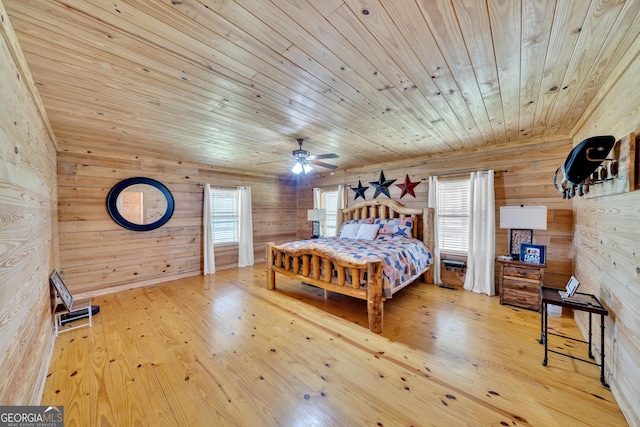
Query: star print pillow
{"x": 395, "y": 227}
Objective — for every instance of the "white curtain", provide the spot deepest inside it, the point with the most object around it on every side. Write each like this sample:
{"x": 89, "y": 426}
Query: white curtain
{"x": 207, "y": 241}
{"x": 245, "y": 229}
{"x": 317, "y": 198}
{"x": 342, "y": 197}
{"x": 340, "y": 205}
{"x": 482, "y": 234}
{"x": 432, "y": 202}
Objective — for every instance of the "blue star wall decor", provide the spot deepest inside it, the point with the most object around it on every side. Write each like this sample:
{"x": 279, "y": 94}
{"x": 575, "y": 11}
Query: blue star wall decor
{"x": 382, "y": 185}
{"x": 360, "y": 191}
{"x": 408, "y": 187}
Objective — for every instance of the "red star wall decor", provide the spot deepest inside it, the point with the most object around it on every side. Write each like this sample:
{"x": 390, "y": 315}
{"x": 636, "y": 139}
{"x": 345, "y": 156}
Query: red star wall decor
{"x": 407, "y": 187}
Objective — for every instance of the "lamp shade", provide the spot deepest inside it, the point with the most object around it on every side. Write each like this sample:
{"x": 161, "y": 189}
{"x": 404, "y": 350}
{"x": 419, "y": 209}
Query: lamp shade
{"x": 300, "y": 167}
{"x": 523, "y": 217}
{"x": 297, "y": 168}
{"x": 316, "y": 215}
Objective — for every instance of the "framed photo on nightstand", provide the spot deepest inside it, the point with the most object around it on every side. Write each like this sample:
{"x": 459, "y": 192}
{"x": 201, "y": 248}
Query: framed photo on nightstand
{"x": 533, "y": 254}
{"x": 516, "y": 238}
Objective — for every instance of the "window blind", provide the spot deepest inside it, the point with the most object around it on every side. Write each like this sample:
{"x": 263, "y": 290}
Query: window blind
{"x": 453, "y": 216}
{"x": 224, "y": 216}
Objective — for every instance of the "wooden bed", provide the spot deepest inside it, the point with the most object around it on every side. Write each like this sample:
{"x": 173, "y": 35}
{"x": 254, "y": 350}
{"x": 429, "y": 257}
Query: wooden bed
{"x": 323, "y": 270}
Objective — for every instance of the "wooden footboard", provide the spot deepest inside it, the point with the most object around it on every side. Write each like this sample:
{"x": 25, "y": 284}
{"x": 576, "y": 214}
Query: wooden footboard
{"x": 322, "y": 270}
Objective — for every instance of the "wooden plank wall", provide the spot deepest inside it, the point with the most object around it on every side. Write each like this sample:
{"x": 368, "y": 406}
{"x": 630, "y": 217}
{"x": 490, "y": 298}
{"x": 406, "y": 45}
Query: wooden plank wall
{"x": 607, "y": 240}
{"x": 527, "y": 181}
{"x": 98, "y": 256}
{"x": 28, "y": 245}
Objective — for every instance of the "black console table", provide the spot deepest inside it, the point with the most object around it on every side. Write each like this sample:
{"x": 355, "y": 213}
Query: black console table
{"x": 582, "y": 302}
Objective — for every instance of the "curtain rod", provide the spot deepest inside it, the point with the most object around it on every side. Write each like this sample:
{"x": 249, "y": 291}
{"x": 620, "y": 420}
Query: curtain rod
{"x": 220, "y": 187}
{"x": 456, "y": 174}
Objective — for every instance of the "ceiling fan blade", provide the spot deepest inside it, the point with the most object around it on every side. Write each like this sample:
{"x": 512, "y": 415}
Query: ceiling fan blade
{"x": 325, "y": 156}
{"x": 323, "y": 164}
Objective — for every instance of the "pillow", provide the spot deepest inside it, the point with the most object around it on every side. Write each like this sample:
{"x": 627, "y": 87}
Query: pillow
{"x": 396, "y": 226}
{"x": 369, "y": 220}
{"x": 350, "y": 230}
{"x": 367, "y": 231}
{"x": 352, "y": 221}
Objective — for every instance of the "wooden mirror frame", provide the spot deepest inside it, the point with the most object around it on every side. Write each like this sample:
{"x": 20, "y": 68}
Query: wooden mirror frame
{"x": 112, "y": 204}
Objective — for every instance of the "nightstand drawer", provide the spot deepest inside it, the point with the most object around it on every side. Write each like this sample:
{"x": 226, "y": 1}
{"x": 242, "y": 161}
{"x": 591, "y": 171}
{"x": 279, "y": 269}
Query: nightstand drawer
{"x": 525, "y": 272}
{"x": 522, "y": 299}
{"x": 522, "y": 285}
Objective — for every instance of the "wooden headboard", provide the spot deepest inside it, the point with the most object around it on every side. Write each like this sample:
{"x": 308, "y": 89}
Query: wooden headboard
{"x": 388, "y": 208}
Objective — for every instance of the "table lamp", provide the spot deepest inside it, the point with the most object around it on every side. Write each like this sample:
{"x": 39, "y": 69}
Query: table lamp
{"x": 315, "y": 216}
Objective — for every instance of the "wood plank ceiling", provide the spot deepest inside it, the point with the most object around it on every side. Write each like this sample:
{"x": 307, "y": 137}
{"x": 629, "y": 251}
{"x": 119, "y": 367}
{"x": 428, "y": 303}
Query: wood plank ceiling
{"x": 234, "y": 83}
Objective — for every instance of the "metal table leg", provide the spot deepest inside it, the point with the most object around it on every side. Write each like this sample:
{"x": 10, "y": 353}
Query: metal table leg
{"x": 544, "y": 337}
{"x": 602, "y": 379}
{"x": 590, "y": 333}
{"x": 544, "y": 309}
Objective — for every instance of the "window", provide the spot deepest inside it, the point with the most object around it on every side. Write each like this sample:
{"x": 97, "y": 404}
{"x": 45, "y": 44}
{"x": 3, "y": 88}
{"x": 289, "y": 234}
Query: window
{"x": 330, "y": 205}
{"x": 453, "y": 216}
{"x": 224, "y": 216}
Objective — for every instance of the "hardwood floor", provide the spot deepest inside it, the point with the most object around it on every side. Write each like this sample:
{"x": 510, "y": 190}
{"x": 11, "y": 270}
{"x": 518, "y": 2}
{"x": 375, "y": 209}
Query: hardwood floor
{"x": 223, "y": 350}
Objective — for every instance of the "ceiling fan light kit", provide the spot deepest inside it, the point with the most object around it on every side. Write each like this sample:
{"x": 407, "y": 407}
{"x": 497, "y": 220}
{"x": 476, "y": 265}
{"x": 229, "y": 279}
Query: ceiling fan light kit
{"x": 304, "y": 159}
{"x": 300, "y": 167}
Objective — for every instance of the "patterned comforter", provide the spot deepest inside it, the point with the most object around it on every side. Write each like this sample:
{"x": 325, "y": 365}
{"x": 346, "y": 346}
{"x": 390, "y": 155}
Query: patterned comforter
{"x": 403, "y": 258}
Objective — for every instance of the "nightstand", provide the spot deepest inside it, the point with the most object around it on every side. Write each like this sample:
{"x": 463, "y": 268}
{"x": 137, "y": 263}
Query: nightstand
{"x": 520, "y": 283}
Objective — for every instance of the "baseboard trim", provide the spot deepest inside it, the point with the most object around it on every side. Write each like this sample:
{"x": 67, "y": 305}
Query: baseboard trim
{"x": 38, "y": 391}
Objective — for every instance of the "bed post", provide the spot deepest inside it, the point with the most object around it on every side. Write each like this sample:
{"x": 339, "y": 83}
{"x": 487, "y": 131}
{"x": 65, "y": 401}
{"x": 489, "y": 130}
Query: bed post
{"x": 339, "y": 220}
{"x": 428, "y": 237}
{"x": 374, "y": 296}
{"x": 271, "y": 274}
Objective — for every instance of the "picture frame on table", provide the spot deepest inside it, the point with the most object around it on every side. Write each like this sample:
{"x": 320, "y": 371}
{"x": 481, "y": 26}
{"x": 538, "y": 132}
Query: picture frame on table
{"x": 61, "y": 289}
{"x": 517, "y": 237}
{"x": 533, "y": 254}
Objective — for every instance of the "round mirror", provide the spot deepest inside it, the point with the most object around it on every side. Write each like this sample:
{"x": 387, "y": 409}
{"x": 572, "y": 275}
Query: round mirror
{"x": 140, "y": 204}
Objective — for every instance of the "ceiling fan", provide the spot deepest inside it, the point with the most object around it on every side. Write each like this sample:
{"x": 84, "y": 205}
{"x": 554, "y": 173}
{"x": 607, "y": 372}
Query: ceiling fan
{"x": 304, "y": 160}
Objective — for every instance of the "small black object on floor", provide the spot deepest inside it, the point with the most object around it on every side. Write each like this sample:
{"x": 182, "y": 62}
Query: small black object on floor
{"x": 80, "y": 314}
